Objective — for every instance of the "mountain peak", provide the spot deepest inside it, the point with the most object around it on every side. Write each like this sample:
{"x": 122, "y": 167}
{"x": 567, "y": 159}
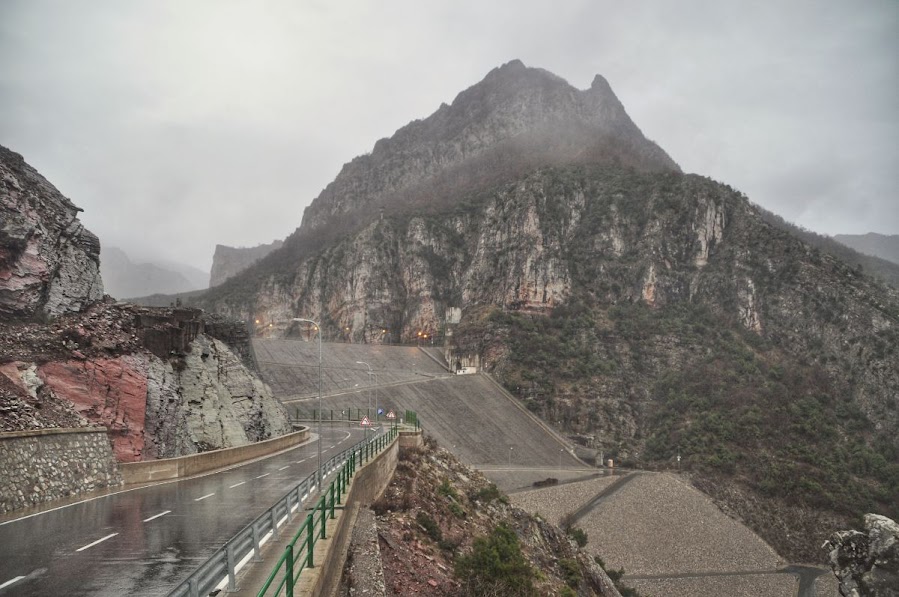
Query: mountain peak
{"x": 516, "y": 118}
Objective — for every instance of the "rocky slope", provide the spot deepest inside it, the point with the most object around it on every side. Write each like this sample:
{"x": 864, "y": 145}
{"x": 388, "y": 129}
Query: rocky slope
{"x": 658, "y": 313}
{"x": 229, "y": 261}
{"x": 442, "y": 529}
{"x": 49, "y": 263}
{"x": 124, "y": 279}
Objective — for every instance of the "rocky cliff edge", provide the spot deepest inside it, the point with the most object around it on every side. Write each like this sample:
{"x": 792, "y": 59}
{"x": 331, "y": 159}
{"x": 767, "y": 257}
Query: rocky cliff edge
{"x": 49, "y": 263}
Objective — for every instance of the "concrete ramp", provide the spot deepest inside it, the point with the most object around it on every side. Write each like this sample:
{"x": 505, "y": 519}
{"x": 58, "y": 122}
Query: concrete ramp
{"x": 467, "y": 414}
{"x": 290, "y": 367}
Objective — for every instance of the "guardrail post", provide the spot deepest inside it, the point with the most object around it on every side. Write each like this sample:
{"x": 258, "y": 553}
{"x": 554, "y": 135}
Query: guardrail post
{"x": 257, "y": 552}
{"x": 310, "y": 543}
{"x": 332, "y": 501}
{"x": 324, "y": 516}
{"x": 229, "y": 557}
{"x": 275, "y": 534}
{"x": 289, "y": 583}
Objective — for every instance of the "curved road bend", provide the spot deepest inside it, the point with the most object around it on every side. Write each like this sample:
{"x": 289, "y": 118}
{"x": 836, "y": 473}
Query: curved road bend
{"x": 145, "y": 541}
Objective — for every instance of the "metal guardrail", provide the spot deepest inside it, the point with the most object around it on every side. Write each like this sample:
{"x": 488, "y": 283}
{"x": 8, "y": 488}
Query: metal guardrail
{"x": 220, "y": 570}
{"x": 294, "y": 560}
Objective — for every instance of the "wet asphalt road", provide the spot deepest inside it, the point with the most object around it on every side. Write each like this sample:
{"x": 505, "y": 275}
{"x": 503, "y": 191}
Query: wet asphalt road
{"x": 145, "y": 541}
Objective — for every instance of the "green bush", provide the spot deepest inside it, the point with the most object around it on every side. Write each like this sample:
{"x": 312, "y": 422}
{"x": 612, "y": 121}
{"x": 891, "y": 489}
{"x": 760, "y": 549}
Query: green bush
{"x": 496, "y": 566}
{"x": 429, "y": 525}
{"x": 571, "y": 572}
{"x": 579, "y": 535}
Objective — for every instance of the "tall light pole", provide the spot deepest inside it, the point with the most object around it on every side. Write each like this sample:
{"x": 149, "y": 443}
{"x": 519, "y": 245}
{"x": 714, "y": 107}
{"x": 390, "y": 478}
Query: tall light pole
{"x": 318, "y": 328}
{"x": 369, "y": 388}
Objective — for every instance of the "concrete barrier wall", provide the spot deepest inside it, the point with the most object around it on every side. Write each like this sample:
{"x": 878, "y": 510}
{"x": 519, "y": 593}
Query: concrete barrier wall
{"x": 48, "y": 464}
{"x": 186, "y": 466}
{"x": 367, "y": 485}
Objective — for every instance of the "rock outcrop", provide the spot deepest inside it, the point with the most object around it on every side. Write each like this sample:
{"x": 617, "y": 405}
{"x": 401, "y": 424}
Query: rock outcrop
{"x": 151, "y": 377}
{"x": 867, "y": 563}
{"x": 49, "y": 263}
{"x": 230, "y": 261}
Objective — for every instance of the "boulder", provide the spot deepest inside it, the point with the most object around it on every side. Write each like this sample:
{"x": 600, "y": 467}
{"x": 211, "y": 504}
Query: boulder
{"x": 867, "y": 563}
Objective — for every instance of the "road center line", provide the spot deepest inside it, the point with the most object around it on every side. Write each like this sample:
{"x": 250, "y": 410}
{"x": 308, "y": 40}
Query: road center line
{"x": 263, "y": 475}
{"x": 96, "y": 542}
{"x": 157, "y": 516}
{"x": 284, "y": 467}
{"x": 237, "y": 485}
{"x": 205, "y": 496}
{"x": 301, "y": 461}
{"x": 11, "y": 581}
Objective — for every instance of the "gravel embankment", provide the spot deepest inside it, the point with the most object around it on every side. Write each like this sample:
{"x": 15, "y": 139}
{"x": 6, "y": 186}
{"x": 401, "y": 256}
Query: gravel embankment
{"x": 754, "y": 585}
{"x": 657, "y": 524}
{"x": 826, "y": 585}
{"x": 552, "y": 503}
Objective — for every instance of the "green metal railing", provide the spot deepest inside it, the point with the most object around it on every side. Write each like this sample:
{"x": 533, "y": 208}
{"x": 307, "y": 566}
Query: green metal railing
{"x": 298, "y": 555}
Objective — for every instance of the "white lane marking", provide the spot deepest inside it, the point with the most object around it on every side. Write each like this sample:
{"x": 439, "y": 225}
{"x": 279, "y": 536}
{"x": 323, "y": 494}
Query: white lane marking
{"x": 284, "y": 467}
{"x": 237, "y": 485}
{"x": 205, "y": 496}
{"x": 170, "y": 482}
{"x": 96, "y": 542}
{"x": 11, "y": 581}
{"x": 157, "y": 516}
{"x": 263, "y": 475}
{"x": 301, "y": 461}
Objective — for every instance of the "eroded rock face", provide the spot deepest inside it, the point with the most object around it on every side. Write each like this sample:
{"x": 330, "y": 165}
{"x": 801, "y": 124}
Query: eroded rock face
{"x": 224, "y": 405}
{"x": 49, "y": 263}
{"x": 867, "y": 564}
{"x": 108, "y": 392}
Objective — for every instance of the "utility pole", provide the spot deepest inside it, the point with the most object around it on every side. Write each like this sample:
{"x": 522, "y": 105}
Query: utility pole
{"x": 319, "y": 330}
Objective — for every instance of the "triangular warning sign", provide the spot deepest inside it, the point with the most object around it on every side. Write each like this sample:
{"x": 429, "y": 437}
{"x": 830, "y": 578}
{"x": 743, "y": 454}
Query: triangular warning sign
{"x": 365, "y": 422}
{"x": 391, "y": 415}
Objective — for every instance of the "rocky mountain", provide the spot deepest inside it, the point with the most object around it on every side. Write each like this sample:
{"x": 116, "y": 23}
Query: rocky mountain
{"x": 164, "y": 382}
{"x": 125, "y": 279}
{"x": 885, "y": 246}
{"x": 661, "y": 313}
{"x": 49, "y": 263}
{"x": 229, "y": 261}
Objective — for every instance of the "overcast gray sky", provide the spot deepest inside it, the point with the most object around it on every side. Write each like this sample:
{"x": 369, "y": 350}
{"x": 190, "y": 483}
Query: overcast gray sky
{"x": 178, "y": 125}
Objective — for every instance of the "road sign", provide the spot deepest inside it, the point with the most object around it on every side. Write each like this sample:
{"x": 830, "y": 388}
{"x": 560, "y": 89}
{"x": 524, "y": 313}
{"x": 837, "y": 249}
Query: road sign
{"x": 365, "y": 422}
{"x": 391, "y": 415}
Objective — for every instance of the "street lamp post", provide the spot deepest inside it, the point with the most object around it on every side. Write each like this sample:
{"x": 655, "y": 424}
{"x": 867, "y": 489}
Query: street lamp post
{"x": 510, "y": 456}
{"x": 369, "y": 388}
{"x": 318, "y": 328}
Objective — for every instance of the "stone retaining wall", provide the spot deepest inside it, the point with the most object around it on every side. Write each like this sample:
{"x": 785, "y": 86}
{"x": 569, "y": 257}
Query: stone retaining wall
{"x": 48, "y": 464}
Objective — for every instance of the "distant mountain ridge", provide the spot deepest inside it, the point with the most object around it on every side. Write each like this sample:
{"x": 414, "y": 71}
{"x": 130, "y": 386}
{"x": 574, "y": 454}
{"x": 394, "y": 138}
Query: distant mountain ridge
{"x": 885, "y": 246}
{"x": 125, "y": 279}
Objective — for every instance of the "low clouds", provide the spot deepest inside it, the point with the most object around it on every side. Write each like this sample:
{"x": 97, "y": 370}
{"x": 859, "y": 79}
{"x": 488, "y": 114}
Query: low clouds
{"x": 177, "y": 125}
